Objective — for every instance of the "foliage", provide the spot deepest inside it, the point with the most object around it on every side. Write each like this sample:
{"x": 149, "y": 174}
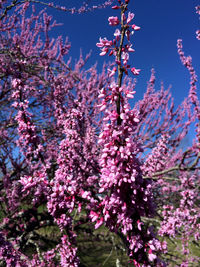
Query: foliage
{"x": 79, "y": 167}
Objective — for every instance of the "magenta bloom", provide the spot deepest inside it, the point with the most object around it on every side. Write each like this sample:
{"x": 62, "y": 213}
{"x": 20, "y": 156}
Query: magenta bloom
{"x": 130, "y": 17}
{"x": 135, "y": 71}
{"x": 135, "y": 27}
{"x": 113, "y": 21}
{"x": 105, "y": 45}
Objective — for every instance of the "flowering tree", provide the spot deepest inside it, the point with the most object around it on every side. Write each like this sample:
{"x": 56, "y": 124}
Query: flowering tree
{"x": 74, "y": 154}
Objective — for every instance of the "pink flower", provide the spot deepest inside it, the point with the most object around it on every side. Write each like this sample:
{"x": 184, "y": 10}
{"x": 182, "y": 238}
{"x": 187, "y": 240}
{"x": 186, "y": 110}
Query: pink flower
{"x": 104, "y": 51}
{"x": 130, "y": 17}
{"x": 123, "y": 17}
{"x": 135, "y": 28}
{"x": 151, "y": 256}
{"x": 27, "y": 182}
{"x": 104, "y": 42}
{"x": 198, "y": 34}
{"x": 15, "y": 83}
{"x": 139, "y": 224}
{"x": 99, "y": 223}
{"x": 135, "y": 71}
{"x": 130, "y": 49}
{"x": 102, "y": 93}
{"x": 94, "y": 216}
{"x": 118, "y": 62}
{"x": 103, "y": 106}
{"x": 125, "y": 57}
{"x": 112, "y": 72}
{"x": 113, "y": 21}
{"x": 117, "y": 34}
{"x": 115, "y": 7}
{"x": 85, "y": 194}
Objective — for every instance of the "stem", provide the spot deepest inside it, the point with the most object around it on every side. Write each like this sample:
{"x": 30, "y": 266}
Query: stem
{"x": 12, "y": 5}
{"x": 120, "y": 69}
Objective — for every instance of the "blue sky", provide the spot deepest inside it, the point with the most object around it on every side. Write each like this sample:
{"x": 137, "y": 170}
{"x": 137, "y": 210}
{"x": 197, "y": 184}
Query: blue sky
{"x": 162, "y": 23}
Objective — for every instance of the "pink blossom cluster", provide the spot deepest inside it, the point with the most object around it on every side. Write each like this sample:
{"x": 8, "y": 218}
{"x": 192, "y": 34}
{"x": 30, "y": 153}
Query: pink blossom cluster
{"x": 130, "y": 196}
{"x": 69, "y": 182}
{"x": 187, "y": 62}
{"x": 11, "y": 256}
{"x": 47, "y": 259}
{"x": 158, "y": 159}
{"x": 198, "y": 31}
{"x": 110, "y": 96}
{"x": 73, "y": 177}
{"x": 68, "y": 253}
{"x": 185, "y": 218}
{"x": 37, "y": 183}
{"x": 114, "y": 47}
{"x": 28, "y": 138}
{"x": 158, "y": 115}
{"x": 66, "y": 184}
{"x": 82, "y": 9}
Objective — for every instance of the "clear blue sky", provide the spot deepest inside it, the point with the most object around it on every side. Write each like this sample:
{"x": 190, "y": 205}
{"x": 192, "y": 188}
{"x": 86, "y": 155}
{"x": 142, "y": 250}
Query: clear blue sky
{"x": 162, "y": 23}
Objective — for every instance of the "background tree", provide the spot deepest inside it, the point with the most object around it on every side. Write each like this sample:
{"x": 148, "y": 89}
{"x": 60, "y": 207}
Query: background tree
{"x": 76, "y": 159}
